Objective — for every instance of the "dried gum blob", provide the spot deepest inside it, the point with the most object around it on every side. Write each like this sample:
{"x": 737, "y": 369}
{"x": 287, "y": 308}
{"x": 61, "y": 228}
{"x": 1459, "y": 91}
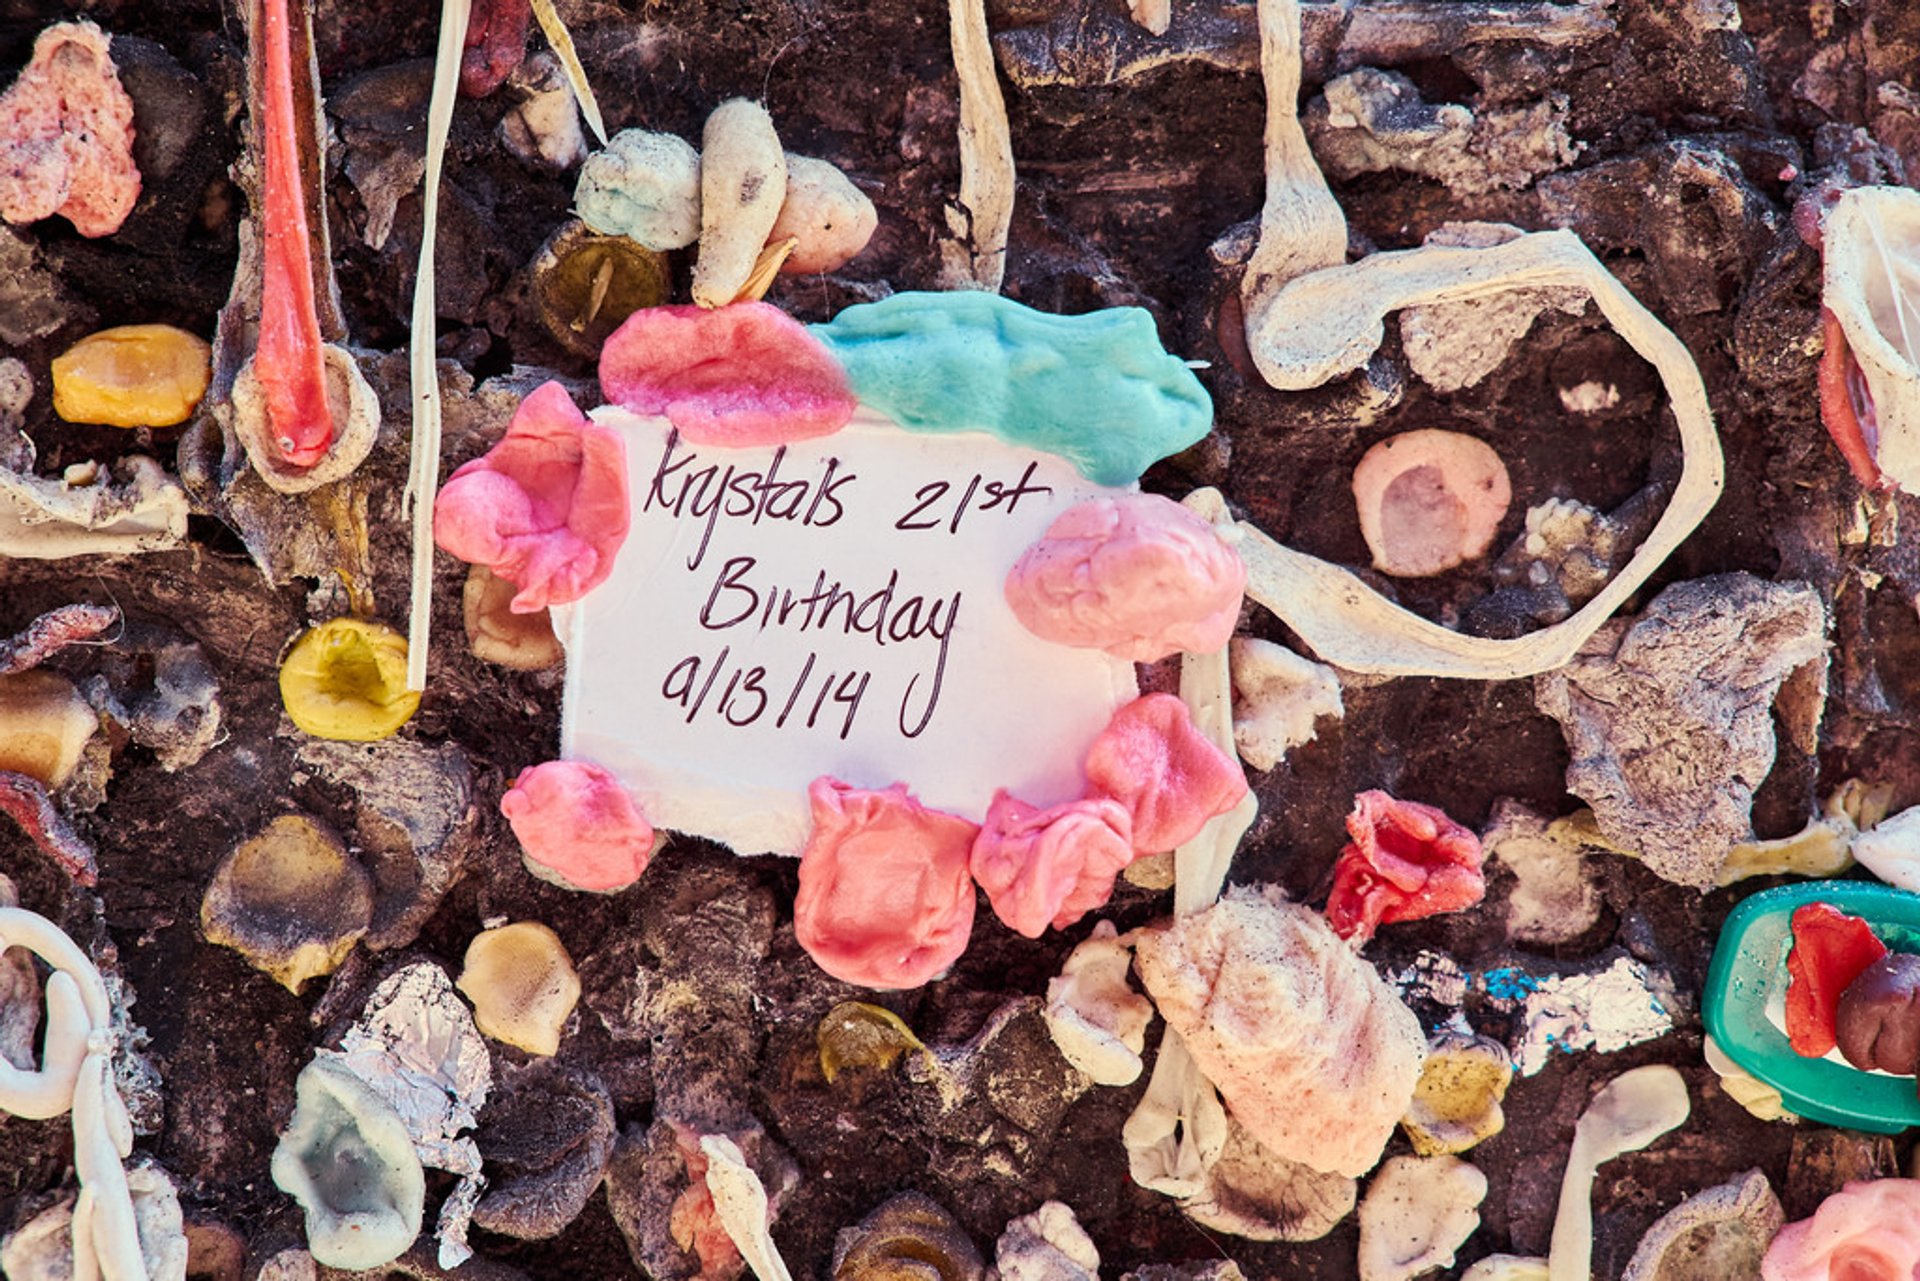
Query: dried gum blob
{"x": 1456, "y": 1102}
{"x": 585, "y": 285}
{"x": 347, "y": 679}
{"x": 132, "y": 376}
{"x": 854, "y": 1034}
{"x": 522, "y": 984}
{"x": 292, "y": 900}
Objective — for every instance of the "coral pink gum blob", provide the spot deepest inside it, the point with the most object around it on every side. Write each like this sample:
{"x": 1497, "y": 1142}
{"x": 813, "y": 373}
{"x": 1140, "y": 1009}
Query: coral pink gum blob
{"x": 546, "y": 508}
{"x": 577, "y": 826}
{"x": 66, "y": 135}
{"x": 885, "y": 899}
{"x": 1139, "y": 577}
{"x": 742, "y": 375}
{"x": 1168, "y": 775}
{"x": 1846, "y": 408}
{"x": 1429, "y": 500}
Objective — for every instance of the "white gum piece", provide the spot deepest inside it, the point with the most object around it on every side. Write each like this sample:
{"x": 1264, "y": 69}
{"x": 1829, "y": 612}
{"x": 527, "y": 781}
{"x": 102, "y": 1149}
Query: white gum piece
{"x": 1872, "y": 256}
{"x": 21, "y": 928}
{"x": 48, "y": 1092}
{"x": 1179, "y": 1128}
{"x": 740, "y": 1201}
{"x": 1628, "y": 1113}
{"x": 1328, "y": 322}
{"x": 976, "y": 257}
{"x": 555, "y": 29}
{"x": 96, "y": 1162}
{"x": 1302, "y": 227}
{"x": 86, "y": 1258}
{"x": 1206, "y": 686}
{"x": 423, "y": 475}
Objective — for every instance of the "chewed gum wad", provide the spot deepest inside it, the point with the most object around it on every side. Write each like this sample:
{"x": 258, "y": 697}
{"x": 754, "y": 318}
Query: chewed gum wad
{"x": 1138, "y": 576}
{"x": 1311, "y": 1051}
{"x": 1099, "y": 389}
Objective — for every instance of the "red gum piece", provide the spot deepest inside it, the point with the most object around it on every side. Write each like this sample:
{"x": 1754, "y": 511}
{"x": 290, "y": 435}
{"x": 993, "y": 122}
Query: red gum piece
{"x": 1406, "y": 861}
{"x": 288, "y": 360}
{"x": 52, "y": 632}
{"x": 1830, "y": 950}
{"x": 24, "y": 799}
{"x": 496, "y": 41}
{"x": 1837, "y": 413}
{"x": 739, "y": 376}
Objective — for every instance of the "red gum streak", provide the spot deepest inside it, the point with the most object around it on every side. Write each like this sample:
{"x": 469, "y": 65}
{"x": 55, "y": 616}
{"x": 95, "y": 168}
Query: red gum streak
{"x": 25, "y": 800}
{"x": 52, "y": 632}
{"x": 1836, "y": 405}
{"x": 288, "y": 360}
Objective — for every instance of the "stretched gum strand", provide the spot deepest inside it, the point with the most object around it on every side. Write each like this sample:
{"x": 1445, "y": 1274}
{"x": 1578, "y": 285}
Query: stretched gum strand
{"x": 288, "y": 359}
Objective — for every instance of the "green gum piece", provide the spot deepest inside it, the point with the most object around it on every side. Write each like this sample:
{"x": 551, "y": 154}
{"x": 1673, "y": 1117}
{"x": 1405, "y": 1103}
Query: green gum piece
{"x": 1098, "y": 390}
{"x": 1750, "y": 966}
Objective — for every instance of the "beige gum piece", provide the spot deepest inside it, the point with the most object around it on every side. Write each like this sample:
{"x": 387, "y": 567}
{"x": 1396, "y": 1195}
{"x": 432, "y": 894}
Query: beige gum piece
{"x": 740, "y": 1201}
{"x": 1628, "y": 1113}
{"x": 1328, "y": 321}
{"x": 976, "y": 256}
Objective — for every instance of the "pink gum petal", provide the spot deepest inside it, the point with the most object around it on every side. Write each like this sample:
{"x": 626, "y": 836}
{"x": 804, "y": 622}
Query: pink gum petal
{"x": 66, "y": 135}
{"x": 742, "y": 375}
{"x": 1168, "y": 775}
{"x": 546, "y": 508}
{"x": 1868, "y": 1229}
{"x": 1049, "y": 867}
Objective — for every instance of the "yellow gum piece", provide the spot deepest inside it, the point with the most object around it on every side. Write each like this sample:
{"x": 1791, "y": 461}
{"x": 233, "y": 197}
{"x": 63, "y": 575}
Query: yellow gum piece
{"x": 347, "y": 679}
{"x": 132, "y": 376}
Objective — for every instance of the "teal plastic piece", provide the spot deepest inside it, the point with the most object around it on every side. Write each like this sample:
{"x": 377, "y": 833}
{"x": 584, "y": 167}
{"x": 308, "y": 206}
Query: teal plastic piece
{"x": 1750, "y": 970}
{"x": 1099, "y": 389}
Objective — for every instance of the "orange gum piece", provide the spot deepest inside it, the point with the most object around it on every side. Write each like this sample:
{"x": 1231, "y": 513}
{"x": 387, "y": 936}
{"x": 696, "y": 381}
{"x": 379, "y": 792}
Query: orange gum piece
{"x": 1836, "y": 405}
{"x": 288, "y": 360}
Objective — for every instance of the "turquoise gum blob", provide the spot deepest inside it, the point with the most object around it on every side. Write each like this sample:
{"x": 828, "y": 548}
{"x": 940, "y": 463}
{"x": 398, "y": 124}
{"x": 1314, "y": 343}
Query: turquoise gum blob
{"x": 1098, "y": 390}
{"x": 1749, "y": 973}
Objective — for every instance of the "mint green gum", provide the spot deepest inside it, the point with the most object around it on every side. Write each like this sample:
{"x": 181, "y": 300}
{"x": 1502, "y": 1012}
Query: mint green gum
{"x": 1098, "y": 390}
{"x": 1750, "y": 966}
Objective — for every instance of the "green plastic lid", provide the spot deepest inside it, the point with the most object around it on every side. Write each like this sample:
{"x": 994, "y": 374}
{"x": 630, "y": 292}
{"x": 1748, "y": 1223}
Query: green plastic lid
{"x": 1750, "y": 972}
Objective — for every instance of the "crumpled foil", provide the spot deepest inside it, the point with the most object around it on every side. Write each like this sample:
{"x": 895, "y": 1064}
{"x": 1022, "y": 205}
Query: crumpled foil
{"x": 1622, "y": 1005}
{"x": 416, "y": 1046}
